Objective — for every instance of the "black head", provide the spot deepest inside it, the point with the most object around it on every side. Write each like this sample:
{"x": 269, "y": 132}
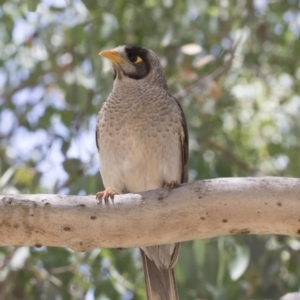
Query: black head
{"x": 138, "y": 57}
{"x": 135, "y": 63}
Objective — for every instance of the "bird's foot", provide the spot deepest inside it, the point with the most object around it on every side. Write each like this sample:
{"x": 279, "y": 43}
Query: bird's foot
{"x": 106, "y": 194}
{"x": 170, "y": 185}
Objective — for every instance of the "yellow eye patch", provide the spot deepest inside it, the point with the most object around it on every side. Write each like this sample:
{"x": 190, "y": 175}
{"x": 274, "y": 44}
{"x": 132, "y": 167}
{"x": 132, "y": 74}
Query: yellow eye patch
{"x": 138, "y": 60}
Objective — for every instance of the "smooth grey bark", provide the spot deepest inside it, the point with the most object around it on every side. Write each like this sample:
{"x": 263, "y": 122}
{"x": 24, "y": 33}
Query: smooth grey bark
{"x": 202, "y": 209}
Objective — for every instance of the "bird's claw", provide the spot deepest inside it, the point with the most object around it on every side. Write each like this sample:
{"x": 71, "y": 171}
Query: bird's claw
{"x": 105, "y": 195}
{"x": 170, "y": 185}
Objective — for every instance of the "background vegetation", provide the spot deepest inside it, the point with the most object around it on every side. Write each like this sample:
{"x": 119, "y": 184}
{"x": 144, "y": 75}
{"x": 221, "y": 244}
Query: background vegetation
{"x": 238, "y": 85}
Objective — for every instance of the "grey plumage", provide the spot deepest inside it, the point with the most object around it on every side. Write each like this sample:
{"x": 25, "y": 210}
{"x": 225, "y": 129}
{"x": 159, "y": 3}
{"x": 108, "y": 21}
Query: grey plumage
{"x": 142, "y": 141}
{"x": 160, "y": 283}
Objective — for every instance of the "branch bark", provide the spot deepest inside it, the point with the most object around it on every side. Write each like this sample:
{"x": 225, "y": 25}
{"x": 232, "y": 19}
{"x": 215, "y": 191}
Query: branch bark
{"x": 202, "y": 209}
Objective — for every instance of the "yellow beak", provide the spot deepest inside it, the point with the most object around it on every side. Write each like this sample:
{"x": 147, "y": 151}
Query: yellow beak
{"x": 112, "y": 56}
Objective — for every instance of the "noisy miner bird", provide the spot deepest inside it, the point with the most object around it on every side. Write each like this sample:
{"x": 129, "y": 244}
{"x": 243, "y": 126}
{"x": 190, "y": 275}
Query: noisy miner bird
{"x": 142, "y": 141}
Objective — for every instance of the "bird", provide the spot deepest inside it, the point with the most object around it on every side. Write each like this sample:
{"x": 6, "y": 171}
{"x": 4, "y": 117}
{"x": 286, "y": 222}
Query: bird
{"x": 142, "y": 140}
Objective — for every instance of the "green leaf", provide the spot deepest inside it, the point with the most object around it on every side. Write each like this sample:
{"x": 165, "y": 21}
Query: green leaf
{"x": 32, "y": 4}
{"x": 238, "y": 264}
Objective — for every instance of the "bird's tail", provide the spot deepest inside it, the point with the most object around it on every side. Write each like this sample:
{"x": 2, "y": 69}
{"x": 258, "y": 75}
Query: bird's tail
{"x": 160, "y": 284}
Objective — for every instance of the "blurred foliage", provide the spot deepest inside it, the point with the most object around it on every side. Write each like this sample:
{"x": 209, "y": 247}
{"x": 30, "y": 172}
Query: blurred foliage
{"x": 240, "y": 94}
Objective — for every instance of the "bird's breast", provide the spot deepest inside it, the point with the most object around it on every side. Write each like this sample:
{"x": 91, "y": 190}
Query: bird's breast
{"x": 139, "y": 146}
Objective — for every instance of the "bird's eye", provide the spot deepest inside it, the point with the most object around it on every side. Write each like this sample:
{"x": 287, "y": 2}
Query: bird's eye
{"x": 134, "y": 59}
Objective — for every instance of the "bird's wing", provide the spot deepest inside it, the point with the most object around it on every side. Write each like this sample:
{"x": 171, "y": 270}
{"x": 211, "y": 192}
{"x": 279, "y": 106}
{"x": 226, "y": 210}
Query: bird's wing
{"x": 97, "y": 132}
{"x": 97, "y": 135}
{"x": 184, "y": 141}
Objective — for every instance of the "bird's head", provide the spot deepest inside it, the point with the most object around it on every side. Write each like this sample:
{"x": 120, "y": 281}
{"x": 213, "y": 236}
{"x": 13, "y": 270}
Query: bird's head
{"x": 134, "y": 63}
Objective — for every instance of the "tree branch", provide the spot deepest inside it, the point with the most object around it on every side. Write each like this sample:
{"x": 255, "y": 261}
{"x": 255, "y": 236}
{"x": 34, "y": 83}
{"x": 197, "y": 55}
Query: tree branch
{"x": 203, "y": 209}
{"x": 226, "y": 152}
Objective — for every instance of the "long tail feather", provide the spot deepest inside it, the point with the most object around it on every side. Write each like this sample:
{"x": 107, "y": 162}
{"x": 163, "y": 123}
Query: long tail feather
{"x": 160, "y": 284}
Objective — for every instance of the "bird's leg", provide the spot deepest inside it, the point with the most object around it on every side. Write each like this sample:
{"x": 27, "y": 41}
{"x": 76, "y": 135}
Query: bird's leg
{"x": 106, "y": 194}
{"x": 170, "y": 185}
